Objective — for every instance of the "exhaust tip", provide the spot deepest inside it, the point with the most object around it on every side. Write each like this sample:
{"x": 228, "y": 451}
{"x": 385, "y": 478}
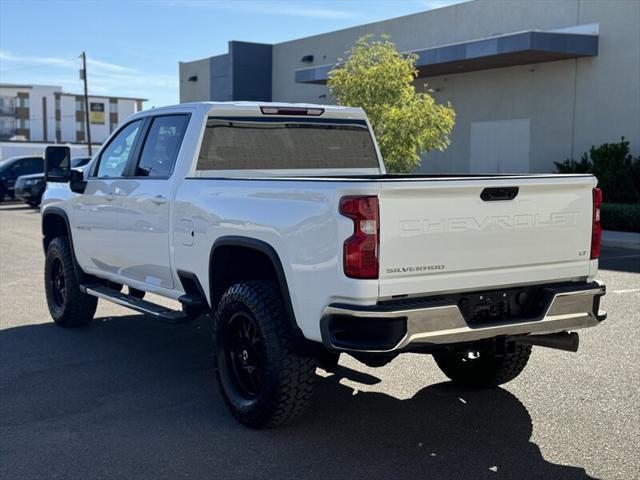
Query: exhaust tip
{"x": 567, "y": 341}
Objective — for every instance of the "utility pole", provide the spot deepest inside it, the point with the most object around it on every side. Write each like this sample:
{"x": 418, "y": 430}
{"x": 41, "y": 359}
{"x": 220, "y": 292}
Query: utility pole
{"x": 83, "y": 73}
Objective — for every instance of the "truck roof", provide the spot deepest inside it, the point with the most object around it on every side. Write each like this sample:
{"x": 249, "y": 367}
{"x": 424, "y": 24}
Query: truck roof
{"x": 254, "y": 109}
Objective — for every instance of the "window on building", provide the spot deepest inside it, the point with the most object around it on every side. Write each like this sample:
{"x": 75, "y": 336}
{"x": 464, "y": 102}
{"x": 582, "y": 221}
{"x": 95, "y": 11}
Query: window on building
{"x": 113, "y": 108}
{"x": 23, "y": 123}
{"x": 57, "y": 103}
{"x": 7, "y": 105}
{"x": 79, "y": 105}
{"x": 79, "y": 126}
{"x": 260, "y": 145}
{"x": 23, "y": 102}
{"x": 115, "y": 156}
{"x": 162, "y": 145}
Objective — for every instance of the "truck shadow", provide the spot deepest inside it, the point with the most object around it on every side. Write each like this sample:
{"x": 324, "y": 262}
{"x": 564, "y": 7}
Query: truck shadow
{"x": 128, "y": 397}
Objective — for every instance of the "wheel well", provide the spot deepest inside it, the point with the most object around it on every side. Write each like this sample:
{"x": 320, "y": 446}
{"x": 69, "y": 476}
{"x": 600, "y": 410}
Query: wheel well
{"x": 53, "y": 225}
{"x": 232, "y": 264}
{"x": 236, "y": 259}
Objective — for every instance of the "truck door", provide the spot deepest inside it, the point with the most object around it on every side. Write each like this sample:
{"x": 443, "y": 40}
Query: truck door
{"x": 143, "y": 204}
{"x": 95, "y": 212}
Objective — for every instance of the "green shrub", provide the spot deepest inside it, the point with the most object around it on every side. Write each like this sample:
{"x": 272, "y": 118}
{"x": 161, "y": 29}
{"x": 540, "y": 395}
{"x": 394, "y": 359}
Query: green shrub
{"x": 617, "y": 171}
{"x": 620, "y": 216}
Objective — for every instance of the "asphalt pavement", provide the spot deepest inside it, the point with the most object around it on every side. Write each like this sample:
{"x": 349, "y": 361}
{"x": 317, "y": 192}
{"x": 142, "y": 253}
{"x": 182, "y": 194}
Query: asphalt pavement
{"x": 131, "y": 398}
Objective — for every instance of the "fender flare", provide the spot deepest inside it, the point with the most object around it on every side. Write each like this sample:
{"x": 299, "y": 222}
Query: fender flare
{"x": 59, "y": 212}
{"x": 262, "y": 247}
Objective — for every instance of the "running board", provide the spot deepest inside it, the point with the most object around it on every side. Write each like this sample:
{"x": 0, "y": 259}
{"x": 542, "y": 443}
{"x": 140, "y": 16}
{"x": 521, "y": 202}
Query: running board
{"x": 153, "y": 310}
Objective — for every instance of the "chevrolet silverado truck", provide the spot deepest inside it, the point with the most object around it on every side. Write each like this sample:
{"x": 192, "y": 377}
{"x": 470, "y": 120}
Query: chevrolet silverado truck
{"x": 279, "y": 224}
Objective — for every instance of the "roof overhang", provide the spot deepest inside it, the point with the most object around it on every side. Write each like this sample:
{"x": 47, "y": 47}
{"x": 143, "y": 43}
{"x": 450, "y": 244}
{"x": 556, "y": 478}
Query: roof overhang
{"x": 520, "y": 48}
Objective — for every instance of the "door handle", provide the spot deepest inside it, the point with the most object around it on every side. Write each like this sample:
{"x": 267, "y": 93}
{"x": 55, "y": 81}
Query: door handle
{"x": 159, "y": 200}
{"x": 492, "y": 194}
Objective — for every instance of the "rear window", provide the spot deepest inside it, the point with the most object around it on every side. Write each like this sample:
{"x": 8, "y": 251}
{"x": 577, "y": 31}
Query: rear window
{"x": 265, "y": 145}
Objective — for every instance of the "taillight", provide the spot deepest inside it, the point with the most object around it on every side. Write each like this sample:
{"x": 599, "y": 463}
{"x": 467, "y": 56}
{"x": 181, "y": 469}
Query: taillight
{"x": 596, "y": 229}
{"x": 361, "y": 248}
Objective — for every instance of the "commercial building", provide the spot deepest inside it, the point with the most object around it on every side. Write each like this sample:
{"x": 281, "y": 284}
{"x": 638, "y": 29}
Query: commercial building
{"x": 531, "y": 82}
{"x": 45, "y": 113}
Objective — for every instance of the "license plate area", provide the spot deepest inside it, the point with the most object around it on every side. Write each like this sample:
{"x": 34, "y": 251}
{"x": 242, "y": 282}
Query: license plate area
{"x": 502, "y": 305}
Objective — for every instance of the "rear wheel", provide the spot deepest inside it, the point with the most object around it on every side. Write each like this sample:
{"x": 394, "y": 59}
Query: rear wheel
{"x": 68, "y": 305}
{"x": 263, "y": 381}
{"x": 483, "y": 369}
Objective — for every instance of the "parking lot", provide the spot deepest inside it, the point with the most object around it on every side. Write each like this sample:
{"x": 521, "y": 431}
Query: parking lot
{"x": 132, "y": 398}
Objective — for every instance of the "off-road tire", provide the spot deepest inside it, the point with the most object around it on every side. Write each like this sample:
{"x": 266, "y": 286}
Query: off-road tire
{"x": 69, "y": 307}
{"x": 287, "y": 376}
{"x": 488, "y": 370}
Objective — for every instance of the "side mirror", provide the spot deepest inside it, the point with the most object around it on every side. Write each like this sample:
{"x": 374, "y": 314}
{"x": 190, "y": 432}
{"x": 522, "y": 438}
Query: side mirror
{"x": 57, "y": 164}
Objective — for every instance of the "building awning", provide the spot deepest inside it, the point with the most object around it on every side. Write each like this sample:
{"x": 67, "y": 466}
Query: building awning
{"x": 520, "y": 48}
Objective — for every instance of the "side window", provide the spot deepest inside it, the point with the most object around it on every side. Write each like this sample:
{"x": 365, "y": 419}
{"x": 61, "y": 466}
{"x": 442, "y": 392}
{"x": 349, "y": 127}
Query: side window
{"x": 37, "y": 165}
{"x": 161, "y": 146}
{"x": 114, "y": 158}
{"x": 20, "y": 167}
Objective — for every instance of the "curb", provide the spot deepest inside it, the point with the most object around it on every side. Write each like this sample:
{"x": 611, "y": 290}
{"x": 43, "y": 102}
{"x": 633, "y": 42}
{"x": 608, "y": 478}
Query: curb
{"x": 628, "y": 240}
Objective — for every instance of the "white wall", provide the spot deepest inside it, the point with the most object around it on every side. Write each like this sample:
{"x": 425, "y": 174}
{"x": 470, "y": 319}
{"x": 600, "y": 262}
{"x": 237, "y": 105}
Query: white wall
{"x": 126, "y": 108}
{"x": 68, "y": 118}
{"x": 36, "y": 114}
{"x": 15, "y": 149}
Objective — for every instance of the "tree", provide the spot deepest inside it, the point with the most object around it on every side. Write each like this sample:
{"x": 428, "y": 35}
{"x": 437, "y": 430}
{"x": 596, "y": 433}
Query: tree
{"x": 379, "y": 79}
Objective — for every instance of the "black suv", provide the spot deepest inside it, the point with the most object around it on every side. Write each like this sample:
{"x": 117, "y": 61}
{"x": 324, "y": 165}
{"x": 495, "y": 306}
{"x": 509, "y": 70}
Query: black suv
{"x": 12, "y": 168}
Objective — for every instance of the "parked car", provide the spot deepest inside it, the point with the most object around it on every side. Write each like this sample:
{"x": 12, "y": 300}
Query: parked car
{"x": 12, "y": 168}
{"x": 280, "y": 224}
{"x": 29, "y": 188}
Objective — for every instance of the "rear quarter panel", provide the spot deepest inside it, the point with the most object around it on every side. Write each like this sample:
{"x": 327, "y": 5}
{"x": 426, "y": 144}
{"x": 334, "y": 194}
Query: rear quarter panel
{"x": 299, "y": 219}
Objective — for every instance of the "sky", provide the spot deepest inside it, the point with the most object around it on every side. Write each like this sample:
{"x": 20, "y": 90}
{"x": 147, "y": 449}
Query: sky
{"x": 133, "y": 46}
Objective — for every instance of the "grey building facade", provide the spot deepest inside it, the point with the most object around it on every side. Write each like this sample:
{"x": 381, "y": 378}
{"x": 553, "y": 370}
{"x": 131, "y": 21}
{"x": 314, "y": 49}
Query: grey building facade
{"x": 531, "y": 82}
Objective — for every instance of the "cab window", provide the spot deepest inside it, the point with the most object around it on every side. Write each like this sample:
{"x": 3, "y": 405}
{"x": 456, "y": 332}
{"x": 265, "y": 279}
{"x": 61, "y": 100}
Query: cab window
{"x": 116, "y": 155}
{"x": 161, "y": 147}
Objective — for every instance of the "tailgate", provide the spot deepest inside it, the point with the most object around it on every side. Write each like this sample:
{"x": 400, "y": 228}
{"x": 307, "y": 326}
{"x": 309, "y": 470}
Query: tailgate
{"x": 439, "y": 235}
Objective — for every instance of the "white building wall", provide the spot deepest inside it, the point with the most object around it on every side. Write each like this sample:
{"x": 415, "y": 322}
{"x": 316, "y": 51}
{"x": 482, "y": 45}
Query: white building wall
{"x": 16, "y": 149}
{"x": 67, "y": 118}
{"x": 36, "y": 114}
{"x": 126, "y": 108}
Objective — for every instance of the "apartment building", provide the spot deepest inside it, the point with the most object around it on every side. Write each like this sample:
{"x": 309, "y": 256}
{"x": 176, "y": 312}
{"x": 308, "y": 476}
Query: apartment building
{"x": 45, "y": 113}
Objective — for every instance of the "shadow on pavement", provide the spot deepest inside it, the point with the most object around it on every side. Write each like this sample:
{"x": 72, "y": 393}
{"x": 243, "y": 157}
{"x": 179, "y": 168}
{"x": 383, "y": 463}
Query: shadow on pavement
{"x": 131, "y": 398}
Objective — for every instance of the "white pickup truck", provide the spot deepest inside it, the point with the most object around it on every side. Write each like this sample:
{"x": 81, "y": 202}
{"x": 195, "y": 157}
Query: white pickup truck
{"x": 280, "y": 224}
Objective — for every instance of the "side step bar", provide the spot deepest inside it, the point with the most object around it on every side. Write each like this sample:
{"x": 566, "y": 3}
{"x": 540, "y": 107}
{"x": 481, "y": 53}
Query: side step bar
{"x": 156, "y": 311}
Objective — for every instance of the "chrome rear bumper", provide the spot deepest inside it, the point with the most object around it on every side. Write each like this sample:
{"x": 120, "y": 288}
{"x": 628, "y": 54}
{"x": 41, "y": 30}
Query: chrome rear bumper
{"x": 567, "y": 308}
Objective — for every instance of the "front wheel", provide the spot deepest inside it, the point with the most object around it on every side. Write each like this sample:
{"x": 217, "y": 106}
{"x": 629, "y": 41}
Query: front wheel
{"x": 263, "y": 380}
{"x": 68, "y": 305}
{"x": 483, "y": 369}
